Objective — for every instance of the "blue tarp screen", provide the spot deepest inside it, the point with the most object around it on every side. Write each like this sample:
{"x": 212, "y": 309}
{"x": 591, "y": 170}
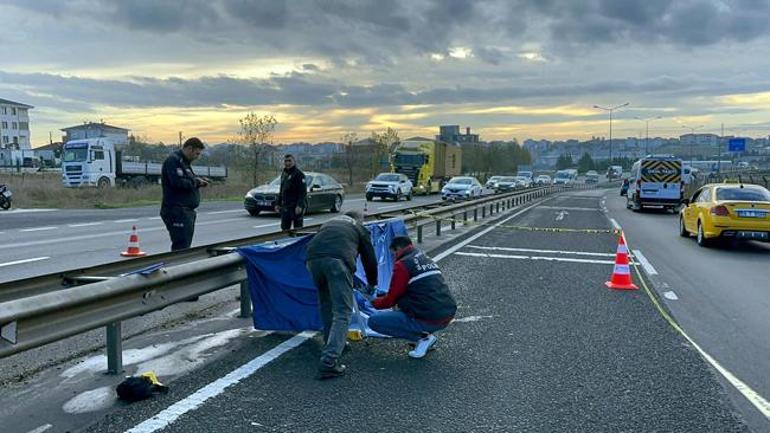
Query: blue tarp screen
{"x": 282, "y": 290}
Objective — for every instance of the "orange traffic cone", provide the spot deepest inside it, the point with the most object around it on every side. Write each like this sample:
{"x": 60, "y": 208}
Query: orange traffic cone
{"x": 133, "y": 246}
{"x": 621, "y": 275}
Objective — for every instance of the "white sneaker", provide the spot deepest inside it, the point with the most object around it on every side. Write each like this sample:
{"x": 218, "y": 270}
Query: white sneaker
{"x": 423, "y": 346}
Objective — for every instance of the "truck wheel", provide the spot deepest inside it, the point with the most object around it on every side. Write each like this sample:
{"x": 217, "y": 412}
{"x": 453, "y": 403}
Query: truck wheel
{"x": 102, "y": 183}
{"x": 137, "y": 182}
{"x": 337, "y": 206}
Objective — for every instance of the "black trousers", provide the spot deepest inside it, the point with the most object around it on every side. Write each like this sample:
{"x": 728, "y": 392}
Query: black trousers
{"x": 180, "y": 223}
{"x": 289, "y": 217}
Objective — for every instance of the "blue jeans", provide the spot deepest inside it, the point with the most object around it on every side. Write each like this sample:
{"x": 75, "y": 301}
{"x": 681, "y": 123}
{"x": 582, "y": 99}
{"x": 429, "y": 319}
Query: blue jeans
{"x": 335, "y": 303}
{"x": 399, "y": 325}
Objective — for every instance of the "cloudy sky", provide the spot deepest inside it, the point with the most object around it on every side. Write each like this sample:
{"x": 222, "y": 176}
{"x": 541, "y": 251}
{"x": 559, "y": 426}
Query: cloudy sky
{"x": 508, "y": 68}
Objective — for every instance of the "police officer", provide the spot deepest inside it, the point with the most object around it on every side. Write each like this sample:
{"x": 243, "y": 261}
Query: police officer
{"x": 180, "y": 193}
{"x": 292, "y": 195}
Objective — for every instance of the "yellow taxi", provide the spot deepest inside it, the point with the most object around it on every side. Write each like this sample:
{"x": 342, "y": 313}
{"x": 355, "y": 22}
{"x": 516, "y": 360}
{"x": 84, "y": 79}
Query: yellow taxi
{"x": 728, "y": 211}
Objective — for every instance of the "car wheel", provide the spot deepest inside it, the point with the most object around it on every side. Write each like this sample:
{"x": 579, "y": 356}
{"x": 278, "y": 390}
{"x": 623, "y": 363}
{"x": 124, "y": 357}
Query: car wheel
{"x": 369, "y": 197}
{"x": 337, "y": 206}
{"x": 409, "y": 196}
{"x": 682, "y": 229}
{"x": 254, "y": 212}
{"x": 398, "y": 195}
{"x": 702, "y": 240}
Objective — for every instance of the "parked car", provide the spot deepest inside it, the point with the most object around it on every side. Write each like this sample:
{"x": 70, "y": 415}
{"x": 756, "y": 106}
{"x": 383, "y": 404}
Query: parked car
{"x": 507, "y": 183}
{"x": 389, "y": 185}
{"x": 461, "y": 187}
{"x": 323, "y": 193}
{"x": 592, "y": 176}
{"x": 731, "y": 211}
{"x": 492, "y": 182}
{"x": 543, "y": 179}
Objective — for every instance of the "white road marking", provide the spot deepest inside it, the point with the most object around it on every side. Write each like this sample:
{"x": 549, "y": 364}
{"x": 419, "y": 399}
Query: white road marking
{"x": 615, "y": 224}
{"x": 41, "y": 429}
{"x": 127, "y": 220}
{"x": 39, "y": 229}
{"x": 453, "y": 249}
{"x": 85, "y": 224}
{"x": 471, "y": 319}
{"x": 548, "y": 259}
{"x": 195, "y": 400}
{"x": 530, "y": 250}
{"x": 29, "y": 210}
{"x": 226, "y": 211}
{"x": 267, "y": 225}
{"x": 567, "y": 208}
{"x": 560, "y": 215}
{"x": 645, "y": 263}
{"x": 154, "y": 218}
{"x": 19, "y": 262}
{"x": 671, "y": 295}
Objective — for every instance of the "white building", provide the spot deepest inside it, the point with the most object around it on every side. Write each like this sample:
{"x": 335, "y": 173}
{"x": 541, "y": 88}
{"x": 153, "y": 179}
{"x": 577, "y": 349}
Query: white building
{"x": 14, "y": 125}
{"x": 96, "y": 130}
{"x": 699, "y": 140}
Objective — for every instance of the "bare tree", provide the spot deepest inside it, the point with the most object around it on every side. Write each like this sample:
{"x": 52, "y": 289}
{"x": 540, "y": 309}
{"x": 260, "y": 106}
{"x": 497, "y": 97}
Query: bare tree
{"x": 384, "y": 145}
{"x": 350, "y": 155}
{"x": 257, "y": 133}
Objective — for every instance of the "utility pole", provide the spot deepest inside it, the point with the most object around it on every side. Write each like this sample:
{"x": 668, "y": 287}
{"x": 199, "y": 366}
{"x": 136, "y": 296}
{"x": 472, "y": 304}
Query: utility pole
{"x": 647, "y": 129}
{"x": 692, "y": 132}
{"x": 610, "y": 110}
{"x": 180, "y": 139}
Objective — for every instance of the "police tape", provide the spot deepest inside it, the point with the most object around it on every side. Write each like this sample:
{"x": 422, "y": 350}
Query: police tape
{"x": 517, "y": 227}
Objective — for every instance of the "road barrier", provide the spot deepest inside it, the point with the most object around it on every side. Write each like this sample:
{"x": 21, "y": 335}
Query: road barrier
{"x": 41, "y": 310}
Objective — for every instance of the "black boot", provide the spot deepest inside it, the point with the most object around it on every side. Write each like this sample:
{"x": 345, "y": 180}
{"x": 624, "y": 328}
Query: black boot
{"x": 330, "y": 371}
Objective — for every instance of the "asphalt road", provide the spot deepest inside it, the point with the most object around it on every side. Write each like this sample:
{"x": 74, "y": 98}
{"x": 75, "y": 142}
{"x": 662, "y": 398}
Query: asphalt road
{"x": 720, "y": 295}
{"x": 38, "y": 242}
{"x": 539, "y": 345}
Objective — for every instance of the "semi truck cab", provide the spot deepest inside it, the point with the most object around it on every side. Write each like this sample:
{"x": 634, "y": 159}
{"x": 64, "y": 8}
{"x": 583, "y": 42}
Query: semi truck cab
{"x": 89, "y": 162}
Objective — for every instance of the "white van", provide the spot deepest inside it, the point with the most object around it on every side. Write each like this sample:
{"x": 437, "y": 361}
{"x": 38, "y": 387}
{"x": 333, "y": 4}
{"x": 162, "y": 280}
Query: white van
{"x": 655, "y": 181}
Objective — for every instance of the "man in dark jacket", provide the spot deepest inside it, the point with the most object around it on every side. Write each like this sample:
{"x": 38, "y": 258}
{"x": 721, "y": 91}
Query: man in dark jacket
{"x": 331, "y": 259}
{"x": 292, "y": 195}
{"x": 424, "y": 302}
{"x": 180, "y": 193}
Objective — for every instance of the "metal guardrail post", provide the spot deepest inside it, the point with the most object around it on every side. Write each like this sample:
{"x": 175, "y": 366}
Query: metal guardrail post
{"x": 483, "y": 211}
{"x": 114, "y": 348}
{"x": 498, "y": 207}
{"x": 453, "y": 221}
{"x": 438, "y": 227}
{"x": 419, "y": 234}
{"x": 245, "y": 299}
{"x": 465, "y": 217}
{"x": 475, "y": 214}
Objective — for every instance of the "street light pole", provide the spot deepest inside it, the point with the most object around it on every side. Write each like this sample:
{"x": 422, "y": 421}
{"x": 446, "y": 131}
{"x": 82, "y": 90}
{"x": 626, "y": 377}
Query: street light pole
{"x": 647, "y": 132}
{"x": 610, "y": 110}
{"x": 692, "y": 132}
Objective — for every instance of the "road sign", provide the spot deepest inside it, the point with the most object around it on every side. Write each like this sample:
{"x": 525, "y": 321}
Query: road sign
{"x": 737, "y": 145}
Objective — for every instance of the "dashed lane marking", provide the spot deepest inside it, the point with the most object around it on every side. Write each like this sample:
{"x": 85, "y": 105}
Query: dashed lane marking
{"x": 568, "y": 208}
{"x": 530, "y": 250}
{"x": 85, "y": 224}
{"x": 41, "y": 429}
{"x": 127, "y": 220}
{"x": 543, "y": 258}
{"x": 671, "y": 295}
{"x": 615, "y": 224}
{"x": 39, "y": 229}
{"x": 267, "y": 225}
{"x": 225, "y": 211}
{"x": 194, "y": 401}
{"x": 645, "y": 263}
{"x": 19, "y": 262}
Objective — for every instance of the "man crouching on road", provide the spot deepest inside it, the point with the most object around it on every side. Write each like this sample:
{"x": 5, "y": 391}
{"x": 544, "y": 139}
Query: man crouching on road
{"x": 424, "y": 302}
{"x": 331, "y": 260}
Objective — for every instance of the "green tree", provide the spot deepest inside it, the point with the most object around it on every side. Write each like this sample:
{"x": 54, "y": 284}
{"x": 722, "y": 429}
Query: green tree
{"x": 586, "y": 163}
{"x": 564, "y": 161}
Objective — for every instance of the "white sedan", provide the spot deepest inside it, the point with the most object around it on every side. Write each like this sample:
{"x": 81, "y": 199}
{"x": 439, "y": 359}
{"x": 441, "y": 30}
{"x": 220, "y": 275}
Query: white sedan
{"x": 462, "y": 187}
